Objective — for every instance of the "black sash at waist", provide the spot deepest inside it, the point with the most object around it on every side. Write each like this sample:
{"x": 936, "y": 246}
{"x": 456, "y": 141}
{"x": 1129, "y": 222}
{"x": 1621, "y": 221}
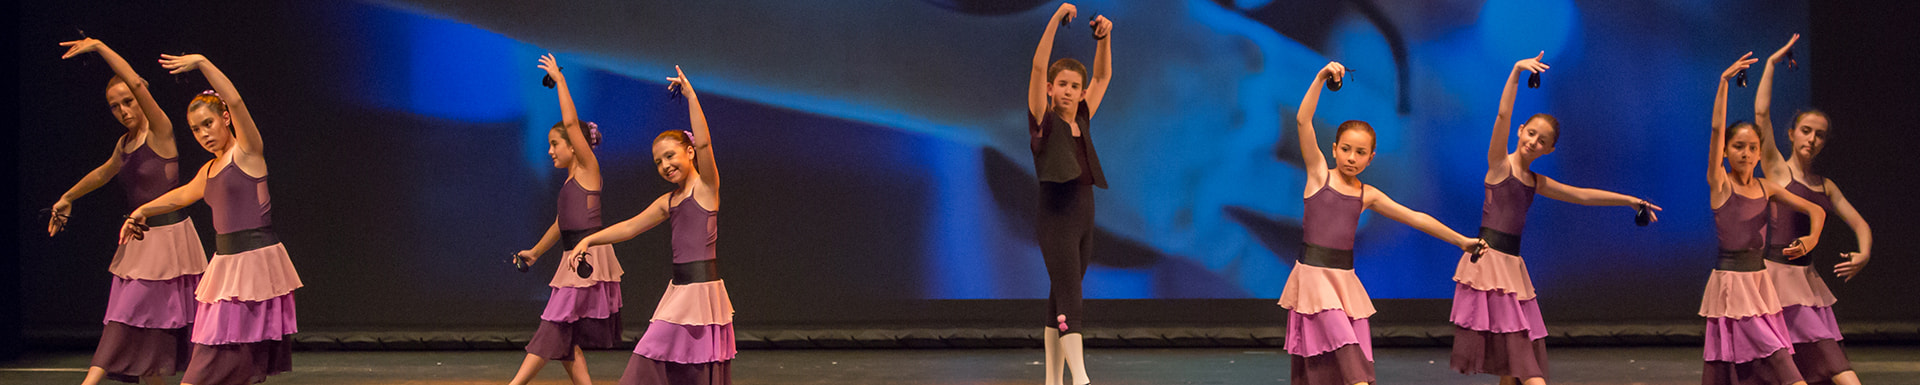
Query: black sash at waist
{"x": 244, "y": 240}
{"x": 166, "y": 219}
{"x": 1741, "y": 260}
{"x": 696, "y": 272}
{"x": 570, "y": 238}
{"x": 1500, "y": 240}
{"x": 1327, "y": 257}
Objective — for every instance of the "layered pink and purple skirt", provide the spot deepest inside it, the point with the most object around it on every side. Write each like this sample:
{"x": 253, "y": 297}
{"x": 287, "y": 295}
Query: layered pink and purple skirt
{"x": 582, "y": 312}
{"x": 689, "y": 341}
{"x": 150, "y": 305}
{"x": 1747, "y": 341}
{"x": 1807, "y": 310}
{"x": 246, "y": 316}
{"x": 1497, "y": 326}
{"x": 1327, "y": 333}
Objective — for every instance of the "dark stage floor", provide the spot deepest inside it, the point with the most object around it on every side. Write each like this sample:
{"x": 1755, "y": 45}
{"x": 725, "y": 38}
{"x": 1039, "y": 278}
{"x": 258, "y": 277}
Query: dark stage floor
{"x": 1660, "y": 365}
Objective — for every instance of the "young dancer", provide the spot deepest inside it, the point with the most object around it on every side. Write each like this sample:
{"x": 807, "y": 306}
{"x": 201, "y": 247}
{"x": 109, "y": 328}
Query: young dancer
{"x": 1498, "y": 329}
{"x": 690, "y": 337}
{"x": 150, "y": 307}
{"x": 1327, "y": 332}
{"x": 1061, "y": 100}
{"x": 1808, "y": 311}
{"x": 245, "y": 318}
{"x": 1746, "y": 340}
{"x": 584, "y": 308}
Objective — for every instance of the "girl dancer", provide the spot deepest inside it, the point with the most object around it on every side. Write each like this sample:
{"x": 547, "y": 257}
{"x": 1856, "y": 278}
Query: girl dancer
{"x": 1061, "y": 100}
{"x": 584, "y": 309}
{"x": 690, "y": 338}
{"x": 246, "y": 309}
{"x": 150, "y": 309}
{"x": 1808, "y": 311}
{"x": 1746, "y": 341}
{"x": 1327, "y": 328}
{"x": 1498, "y": 327}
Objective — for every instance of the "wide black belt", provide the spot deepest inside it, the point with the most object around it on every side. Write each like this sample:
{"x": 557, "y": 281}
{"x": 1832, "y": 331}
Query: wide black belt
{"x": 1500, "y": 240}
{"x": 166, "y": 219}
{"x": 1778, "y": 254}
{"x": 244, "y": 240}
{"x": 1742, "y": 260}
{"x": 1327, "y": 257}
{"x": 571, "y": 238}
{"x": 696, "y": 272}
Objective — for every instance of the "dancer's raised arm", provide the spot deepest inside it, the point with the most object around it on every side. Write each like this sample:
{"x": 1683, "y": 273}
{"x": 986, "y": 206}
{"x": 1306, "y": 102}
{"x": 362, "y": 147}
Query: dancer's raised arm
{"x": 1503, "y": 121}
{"x": 158, "y": 127}
{"x": 1102, "y": 71}
{"x": 1717, "y": 147}
{"x": 245, "y": 134}
{"x": 702, "y": 138}
{"x": 1312, "y": 160}
{"x": 584, "y": 158}
{"x": 1772, "y": 163}
{"x": 1042, "y": 55}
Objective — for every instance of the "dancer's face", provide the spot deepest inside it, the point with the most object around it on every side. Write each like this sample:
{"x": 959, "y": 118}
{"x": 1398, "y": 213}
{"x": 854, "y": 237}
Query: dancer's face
{"x": 1743, "y": 150}
{"x": 1809, "y": 136}
{"x": 1353, "y": 152}
{"x": 212, "y": 129}
{"x": 1536, "y": 139}
{"x": 559, "y": 149}
{"x": 1066, "y": 90}
{"x": 673, "y": 160}
{"x": 125, "y": 109}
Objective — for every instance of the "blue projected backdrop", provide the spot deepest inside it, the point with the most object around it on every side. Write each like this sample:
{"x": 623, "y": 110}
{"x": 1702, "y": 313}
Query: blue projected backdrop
{"x": 888, "y": 135}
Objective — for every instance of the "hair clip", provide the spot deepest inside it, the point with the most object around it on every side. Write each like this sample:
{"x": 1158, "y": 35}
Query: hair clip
{"x": 547, "y": 80}
{"x": 1338, "y": 82}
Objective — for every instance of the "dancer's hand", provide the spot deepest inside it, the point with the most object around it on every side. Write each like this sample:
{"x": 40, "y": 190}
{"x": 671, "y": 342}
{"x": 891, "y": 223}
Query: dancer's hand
{"x": 1333, "y": 70}
{"x": 57, "y": 216}
{"x": 1782, "y": 53}
{"x": 1532, "y": 64}
{"x": 1473, "y": 245}
{"x": 528, "y": 256}
{"x": 1066, "y": 11}
{"x": 1101, "y": 26}
{"x": 686, "y": 87}
{"x": 134, "y": 228}
{"x": 1801, "y": 246}
{"x": 181, "y": 64}
{"x": 578, "y": 249}
{"x": 552, "y": 66}
{"x": 1738, "y": 65}
{"x": 1856, "y": 261}
{"x": 82, "y": 46}
{"x": 1652, "y": 209}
